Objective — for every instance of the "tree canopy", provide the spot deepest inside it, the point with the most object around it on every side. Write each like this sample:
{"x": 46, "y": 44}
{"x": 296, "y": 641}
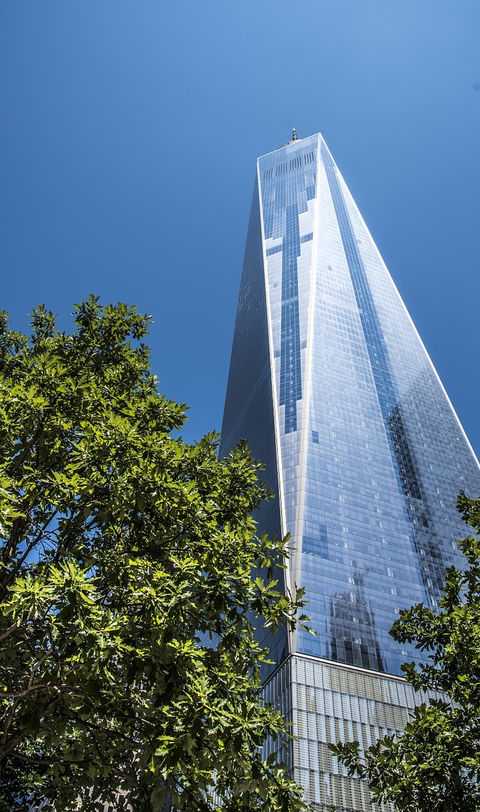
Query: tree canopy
{"x": 129, "y": 585}
{"x": 433, "y": 766}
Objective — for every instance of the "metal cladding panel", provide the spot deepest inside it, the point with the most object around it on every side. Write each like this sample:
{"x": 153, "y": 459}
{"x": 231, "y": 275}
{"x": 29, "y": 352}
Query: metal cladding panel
{"x": 326, "y": 702}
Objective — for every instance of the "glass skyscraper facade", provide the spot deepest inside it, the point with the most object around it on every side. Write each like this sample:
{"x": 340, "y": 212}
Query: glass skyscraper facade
{"x": 333, "y": 389}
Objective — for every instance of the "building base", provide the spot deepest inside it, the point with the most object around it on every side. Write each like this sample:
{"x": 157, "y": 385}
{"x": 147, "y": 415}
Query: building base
{"x": 327, "y": 702}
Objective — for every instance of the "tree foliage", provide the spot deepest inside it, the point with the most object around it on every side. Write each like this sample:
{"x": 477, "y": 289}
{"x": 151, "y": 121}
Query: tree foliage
{"x": 434, "y": 765}
{"x": 128, "y": 580}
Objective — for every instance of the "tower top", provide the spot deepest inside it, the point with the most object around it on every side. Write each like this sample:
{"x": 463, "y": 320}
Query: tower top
{"x": 292, "y": 140}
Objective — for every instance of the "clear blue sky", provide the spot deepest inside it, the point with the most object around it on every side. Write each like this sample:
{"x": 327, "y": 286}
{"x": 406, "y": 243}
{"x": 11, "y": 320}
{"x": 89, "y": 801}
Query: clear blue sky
{"x": 129, "y": 133}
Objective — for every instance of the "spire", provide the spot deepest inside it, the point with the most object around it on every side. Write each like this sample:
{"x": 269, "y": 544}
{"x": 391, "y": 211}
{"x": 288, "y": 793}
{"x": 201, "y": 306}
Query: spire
{"x": 294, "y": 138}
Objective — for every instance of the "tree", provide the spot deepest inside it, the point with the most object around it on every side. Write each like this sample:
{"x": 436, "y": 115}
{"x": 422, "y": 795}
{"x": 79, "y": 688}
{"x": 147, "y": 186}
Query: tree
{"x": 433, "y": 766}
{"x": 129, "y": 585}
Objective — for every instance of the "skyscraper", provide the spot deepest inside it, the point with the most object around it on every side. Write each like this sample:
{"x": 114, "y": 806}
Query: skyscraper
{"x": 334, "y": 390}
